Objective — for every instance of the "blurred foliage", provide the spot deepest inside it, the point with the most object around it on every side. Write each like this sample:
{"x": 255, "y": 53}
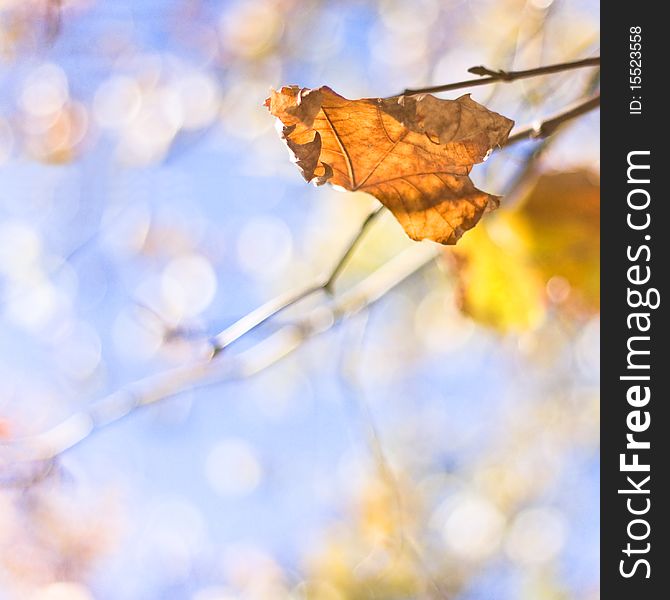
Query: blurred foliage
{"x": 561, "y": 218}
{"x": 145, "y": 202}
{"x": 50, "y": 533}
{"x": 373, "y": 555}
{"x": 543, "y": 252}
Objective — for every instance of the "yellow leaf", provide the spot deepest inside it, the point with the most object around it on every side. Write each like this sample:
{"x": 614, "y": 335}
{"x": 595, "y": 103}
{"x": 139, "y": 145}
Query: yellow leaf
{"x": 545, "y": 250}
{"x": 561, "y": 218}
{"x": 499, "y": 287}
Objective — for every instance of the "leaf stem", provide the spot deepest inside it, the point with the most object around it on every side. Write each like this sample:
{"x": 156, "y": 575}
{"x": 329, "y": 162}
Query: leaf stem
{"x": 488, "y": 76}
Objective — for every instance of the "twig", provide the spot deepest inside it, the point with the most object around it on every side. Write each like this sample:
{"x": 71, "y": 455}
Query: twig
{"x": 273, "y": 307}
{"x": 260, "y": 315}
{"x": 335, "y": 273}
{"x": 548, "y": 126}
{"x": 505, "y": 76}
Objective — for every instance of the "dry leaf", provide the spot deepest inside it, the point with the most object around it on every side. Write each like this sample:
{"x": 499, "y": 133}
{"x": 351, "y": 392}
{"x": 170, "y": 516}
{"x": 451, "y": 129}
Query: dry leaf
{"x": 412, "y": 153}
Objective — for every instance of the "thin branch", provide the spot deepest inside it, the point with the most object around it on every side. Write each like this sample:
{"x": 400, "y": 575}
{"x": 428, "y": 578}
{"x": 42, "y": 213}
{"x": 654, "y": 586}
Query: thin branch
{"x": 490, "y": 76}
{"x": 273, "y": 307}
{"x": 348, "y": 253}
{"x": 548, "y": 126}
{"x": 260, "y": 315}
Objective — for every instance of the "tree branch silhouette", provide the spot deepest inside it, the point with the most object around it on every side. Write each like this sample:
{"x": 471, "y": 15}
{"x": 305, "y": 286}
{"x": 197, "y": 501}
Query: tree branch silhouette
{"x": 489, "y": 76}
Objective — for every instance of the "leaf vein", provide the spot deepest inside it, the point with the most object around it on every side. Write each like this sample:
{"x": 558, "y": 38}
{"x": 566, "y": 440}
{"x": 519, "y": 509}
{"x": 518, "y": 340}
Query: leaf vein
{"x": 347, "y": 158}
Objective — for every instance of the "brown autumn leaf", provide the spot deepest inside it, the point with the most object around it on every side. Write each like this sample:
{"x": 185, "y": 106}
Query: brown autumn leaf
{"x": 413, "y": 153}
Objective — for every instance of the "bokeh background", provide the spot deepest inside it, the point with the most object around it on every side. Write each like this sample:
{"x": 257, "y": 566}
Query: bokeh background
{"x": 440, "y": 444}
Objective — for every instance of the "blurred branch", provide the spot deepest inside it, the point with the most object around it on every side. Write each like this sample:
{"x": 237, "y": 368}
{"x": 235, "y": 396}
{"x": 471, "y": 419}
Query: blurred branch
{"x": 273, "y": 307}
{"x": 406, "y": 539}
{"x": 489, "y": 76}
{"x": 53, "y": 19}
{"x": 47, "y": 445}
